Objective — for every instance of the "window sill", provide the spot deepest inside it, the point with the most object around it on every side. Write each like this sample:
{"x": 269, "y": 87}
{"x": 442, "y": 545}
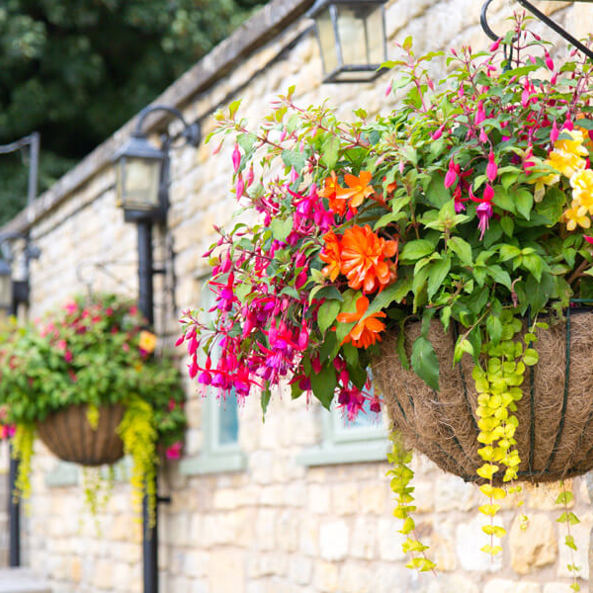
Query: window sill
{"x": 64, "y": 474}
{"x": 334, "y": 454}
{"x": 214, "y": 463}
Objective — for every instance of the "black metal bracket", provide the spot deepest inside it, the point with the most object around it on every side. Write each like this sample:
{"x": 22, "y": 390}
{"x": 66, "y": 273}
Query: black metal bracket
{"x": 163, "y": 499}
{"x": 542, "y": 17}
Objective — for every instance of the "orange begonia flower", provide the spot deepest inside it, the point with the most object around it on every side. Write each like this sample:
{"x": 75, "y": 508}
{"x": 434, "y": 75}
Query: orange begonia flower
{"x": 359, "y": 188}
{"x": 330, "y": 191}
{"x": 366, "y": 332}
{"x": 147, "y": 341}
{"x": 363, "y": 259}
{"x": 331, "y": 256}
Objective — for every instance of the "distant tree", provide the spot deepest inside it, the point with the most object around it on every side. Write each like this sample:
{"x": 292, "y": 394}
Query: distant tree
{"x": 75, "y": 70}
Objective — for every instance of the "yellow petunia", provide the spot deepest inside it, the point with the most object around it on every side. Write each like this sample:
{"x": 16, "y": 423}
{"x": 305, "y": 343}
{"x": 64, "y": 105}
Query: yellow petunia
{"x": 582, "y": 186}
{"x": 574, "y": 145}
{"x": 566, "y": 163}
{"x": 541, "y": 183}
{"x": 576, "y": 215}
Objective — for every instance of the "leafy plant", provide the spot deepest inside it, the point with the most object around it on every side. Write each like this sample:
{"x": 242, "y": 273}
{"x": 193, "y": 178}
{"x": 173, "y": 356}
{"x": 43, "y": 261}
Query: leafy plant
{"x": 469, "y": 204}
{"x": 95, "y": 351}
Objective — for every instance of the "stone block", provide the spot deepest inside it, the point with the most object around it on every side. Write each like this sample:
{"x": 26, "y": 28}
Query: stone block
{"x": 390, "y": 540}
{"x": 325, "y": 577}
{"x": 469, "y": 541}
{"x": 355, "y": 578}
{"x": 364, "y": 538}
{"x": 506, "y": 586}
{"x": 226, "y": 572}
{"x": 345, "y": 499}
{"x": 300, "y": 569}
{"x": 534, "y": 546}
{"x": 453, "y": 494}
{"x": 333, "y": 540}
{"x": 318, "y": 499}
{"x": 581, "y": 534}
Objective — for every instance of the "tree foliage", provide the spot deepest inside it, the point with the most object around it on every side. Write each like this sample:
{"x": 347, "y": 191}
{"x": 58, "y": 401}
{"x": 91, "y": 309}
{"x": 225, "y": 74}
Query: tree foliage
{"x": 75, "y": 71}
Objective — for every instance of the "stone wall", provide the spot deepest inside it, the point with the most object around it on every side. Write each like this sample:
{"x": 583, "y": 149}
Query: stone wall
{"x": 276, "y": 526}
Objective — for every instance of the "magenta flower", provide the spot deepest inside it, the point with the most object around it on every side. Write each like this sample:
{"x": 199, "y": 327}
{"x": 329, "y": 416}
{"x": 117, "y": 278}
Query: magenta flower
{"x": 236, "y": 158}
{"x": 491, "y": 168}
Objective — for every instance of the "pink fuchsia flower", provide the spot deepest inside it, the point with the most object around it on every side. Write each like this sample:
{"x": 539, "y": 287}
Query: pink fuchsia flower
{"x": 554, "y": 133}
{"x": 236, "y": 158}
{"x": 588, "y": 239}
{"x": 491, "y": 168}
{"x": 71, "y": 307}
{"x": 483, "y": 209}
{"x": 174, "y": 450}
{"x": 68, "y": 356}
{"x": 451, "y": 176}
{"x": 480, "y": 114}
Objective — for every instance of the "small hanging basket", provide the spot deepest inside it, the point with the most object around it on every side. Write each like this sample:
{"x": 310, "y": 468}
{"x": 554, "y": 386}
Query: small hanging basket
{"x": 68, "y": 435}
{"x": 555, "y": 433}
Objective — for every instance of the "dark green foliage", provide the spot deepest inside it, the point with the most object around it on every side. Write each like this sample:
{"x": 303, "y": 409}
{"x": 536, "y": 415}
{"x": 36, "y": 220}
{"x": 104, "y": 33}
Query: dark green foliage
{"x": 77, "y": 70}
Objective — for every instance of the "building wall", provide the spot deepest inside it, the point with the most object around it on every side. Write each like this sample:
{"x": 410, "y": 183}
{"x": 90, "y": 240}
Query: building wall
{"x": 274, "y": 524}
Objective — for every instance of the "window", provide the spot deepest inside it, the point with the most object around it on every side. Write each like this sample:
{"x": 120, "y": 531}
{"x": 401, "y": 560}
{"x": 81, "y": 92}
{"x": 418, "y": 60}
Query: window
{"x": 364, "y": 439}
{"x": 220, "y": 425}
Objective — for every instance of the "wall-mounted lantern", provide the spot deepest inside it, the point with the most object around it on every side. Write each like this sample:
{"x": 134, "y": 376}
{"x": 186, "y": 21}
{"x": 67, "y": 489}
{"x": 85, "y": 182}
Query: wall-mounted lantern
{"x": 142, "y": 186}
{"x": 352, "y": 38}
{"x": 141, "y": 171}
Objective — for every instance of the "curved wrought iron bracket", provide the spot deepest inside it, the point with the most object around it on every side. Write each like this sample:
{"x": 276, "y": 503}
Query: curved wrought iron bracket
{"x": 542, "y": 17}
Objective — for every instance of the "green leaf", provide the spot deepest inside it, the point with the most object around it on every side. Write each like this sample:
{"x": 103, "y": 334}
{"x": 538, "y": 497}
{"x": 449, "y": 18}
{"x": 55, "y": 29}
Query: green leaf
{"x": 265, "y": 400}
{"x": 281, "y": 228}
{"x": 414, "y": 250}
{"x": 524, "y": 202}
{"x": 233, "y": 107}
{"x": 295, "y": 390}
{"x": 503, "y": 200}
{"x": 499, "y": 275}
{"x": 437, "y": 274}
{"x": 494, "y": 328}
{"x": 425, "y": 362}
{"x": 393, "y": 293}
{"x": 462, "y": 249}
{"x": 330, "y": 151}
{"x": 508, "y": 225}
{"x": 294, "y": 158}
{"x": 327, "y": 315}
{"x": 436, "y": 192}
{"x": 324, "y": 385}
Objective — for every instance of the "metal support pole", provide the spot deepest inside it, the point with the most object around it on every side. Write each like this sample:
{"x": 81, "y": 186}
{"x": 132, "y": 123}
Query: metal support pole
{"x": 34, "y": 140}
{"x": 146, "y": 306}
{"x": 14, "y": 505}
{"x": 14, "y": 515}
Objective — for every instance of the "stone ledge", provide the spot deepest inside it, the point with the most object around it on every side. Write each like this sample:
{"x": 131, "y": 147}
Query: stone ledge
{"x": 21, "y": 580}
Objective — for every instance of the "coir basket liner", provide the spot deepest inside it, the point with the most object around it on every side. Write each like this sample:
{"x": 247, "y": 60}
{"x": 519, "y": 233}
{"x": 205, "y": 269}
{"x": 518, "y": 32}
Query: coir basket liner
{"x": 68, "y": 435}
{"x": 555, "y": 433}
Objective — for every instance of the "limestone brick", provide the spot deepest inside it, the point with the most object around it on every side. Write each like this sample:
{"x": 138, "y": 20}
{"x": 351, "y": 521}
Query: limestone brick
{"x": 506, "y": 586}
{"x": 558, "y": 588}
{"x": 543, "y": 496}
{"x": 345, "y": 499}
{"x": 452, "y": 493}
{"x": 226, "y": 572}
{"x": 534, "y": 545}
{"x": 325, "y": 577}
{"x": 469, "y": 541}
{"x": 390, "y": 540}
{"x": 449, "y": 584}
{"x": 333, "y": 540}
{"x": 581, "y": 534}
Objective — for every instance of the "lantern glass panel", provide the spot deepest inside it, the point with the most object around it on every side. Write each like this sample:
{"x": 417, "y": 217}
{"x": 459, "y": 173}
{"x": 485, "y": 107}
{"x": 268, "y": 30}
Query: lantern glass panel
{"x": 360, "y": 30}
{"x": 5, "y": 292}
{"x": 138, "y": 183}
{"x": 327, "y": 40}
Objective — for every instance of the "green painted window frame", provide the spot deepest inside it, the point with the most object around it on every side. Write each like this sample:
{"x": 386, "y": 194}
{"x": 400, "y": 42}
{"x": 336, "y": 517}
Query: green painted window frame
{"x": 341, "y": 444}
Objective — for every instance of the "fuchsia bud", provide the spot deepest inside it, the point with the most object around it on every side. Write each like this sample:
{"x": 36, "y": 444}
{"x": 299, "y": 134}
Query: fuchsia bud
{"x": 193, "y": 367}
{"x": 568, "y": 124}
{"x": 192, "y": 346}
{"x": 554, "y": 133}
{"x": 488, "y": 193}
{"x": 480, "y": 114}
{"x": 438, "y": 133}
{"x": 495, "y": 45}
{"x": 240, "y": 188}
{"x": 549, "y": 61}
{"x": 180, "y": 340}
{"x": 491, "y": 168}
{"x": 236, "y": 158}
{"x": 388, "y": 89}
{"x": 293, "y": 175}
{"x": 483, "y": 136}
{"x": 249, "y": 179}
{"x": 588, "y": 239}
{"x": 451, "y": 176}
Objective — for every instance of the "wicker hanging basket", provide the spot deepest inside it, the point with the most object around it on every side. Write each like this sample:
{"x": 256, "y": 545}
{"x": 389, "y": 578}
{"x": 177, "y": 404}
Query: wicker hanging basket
{"x": 68, "y": 435}
{"x": 555, "y": 433}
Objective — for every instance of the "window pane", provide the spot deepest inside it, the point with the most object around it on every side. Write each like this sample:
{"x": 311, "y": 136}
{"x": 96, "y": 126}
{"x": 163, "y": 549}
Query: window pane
{"x": 228, "y": 421}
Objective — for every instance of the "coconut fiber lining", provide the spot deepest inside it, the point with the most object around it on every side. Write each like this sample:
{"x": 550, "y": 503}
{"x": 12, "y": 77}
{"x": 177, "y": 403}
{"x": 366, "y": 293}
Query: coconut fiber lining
{"x": 68, "y": 435}
{"x": 555, "y": 433}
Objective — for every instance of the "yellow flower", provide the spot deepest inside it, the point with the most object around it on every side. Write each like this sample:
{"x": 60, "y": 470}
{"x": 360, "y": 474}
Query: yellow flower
{"x": 582, "y": 185}
{"x": 540, "y": 184}
{"x": 566, "y": 163}
{"x": 147, "y": 341}
{"x": 576, "y": 215}
{"x": 573, "y": 146}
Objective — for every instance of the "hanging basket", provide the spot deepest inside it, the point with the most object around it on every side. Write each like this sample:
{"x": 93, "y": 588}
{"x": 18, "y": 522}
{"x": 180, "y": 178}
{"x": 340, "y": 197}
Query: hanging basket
{"x": 68, "y": 435}
{"x": 555, "y": 433}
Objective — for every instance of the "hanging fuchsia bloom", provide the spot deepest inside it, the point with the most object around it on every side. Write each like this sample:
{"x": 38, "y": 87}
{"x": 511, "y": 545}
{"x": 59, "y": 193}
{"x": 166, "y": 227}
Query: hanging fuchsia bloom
{"x": 495, "y": 45}
{"x": 491, "y": 168}
{"x": 554, "y": 133}
{"x": 483, "y": 209}
{"x": 549, "y": 61}
{"x": 480, "y": 114}
{"x": 451, "y": 176}
{"x": 236, "y": 158}
{"x": 240, "y": 188}
{"x": 438, "y": 132}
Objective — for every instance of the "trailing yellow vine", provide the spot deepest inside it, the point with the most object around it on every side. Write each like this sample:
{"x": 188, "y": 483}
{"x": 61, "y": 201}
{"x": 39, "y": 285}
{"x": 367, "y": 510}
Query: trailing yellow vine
{"x": 139, "y": 435}
{"x": 22, "y": 449}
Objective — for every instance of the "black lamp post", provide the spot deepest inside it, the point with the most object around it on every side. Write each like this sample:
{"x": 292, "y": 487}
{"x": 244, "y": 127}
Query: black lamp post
{"x": 352, "y": 38}
{"x": 142, "y": 185}
{"x": 5, "y": 287}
